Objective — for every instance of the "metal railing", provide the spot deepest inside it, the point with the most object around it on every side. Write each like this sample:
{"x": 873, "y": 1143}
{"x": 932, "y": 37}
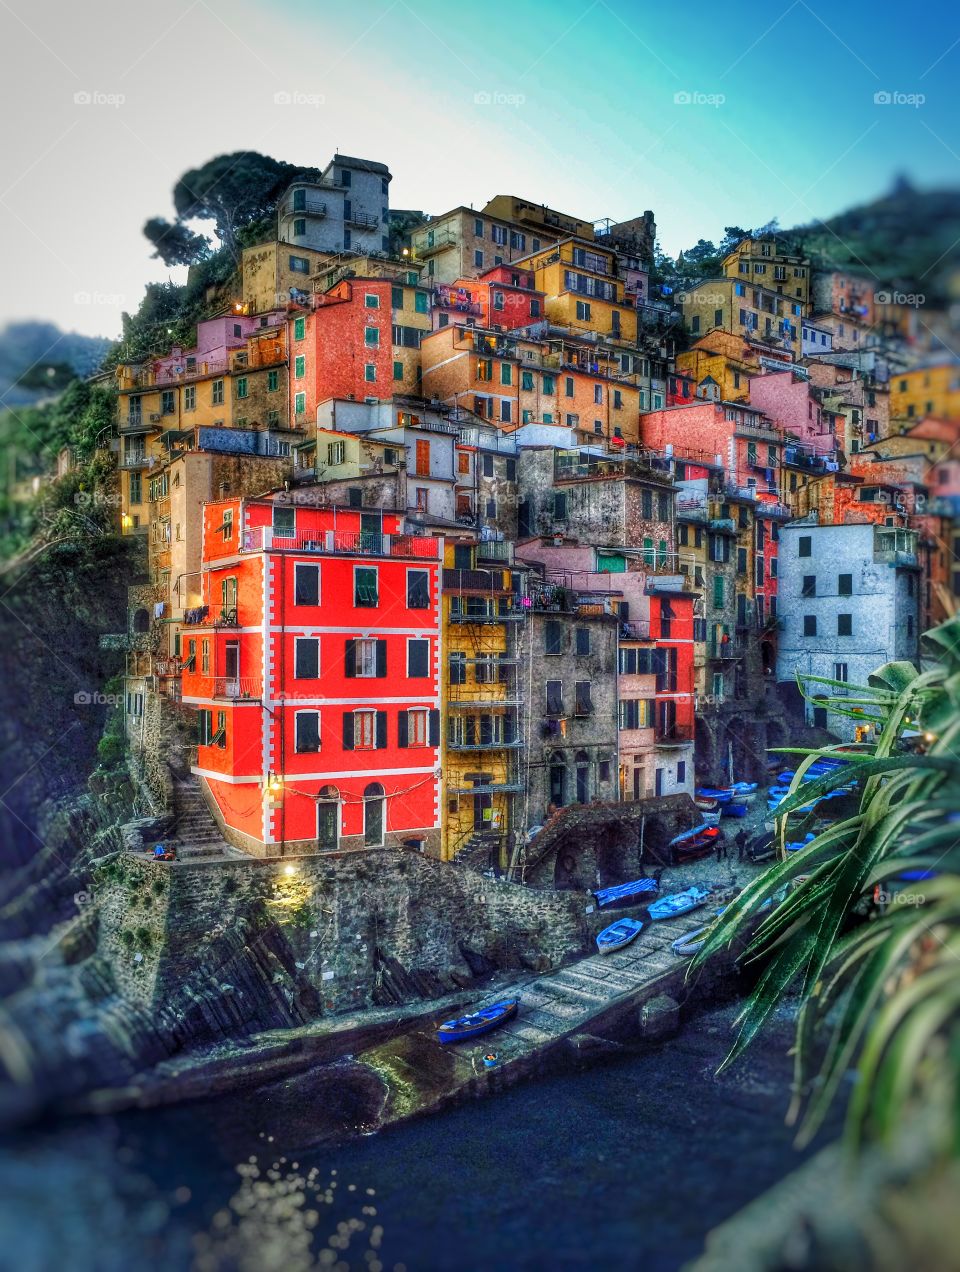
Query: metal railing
{"x": 237, "y": 687}
{"x": 338, "y": 542}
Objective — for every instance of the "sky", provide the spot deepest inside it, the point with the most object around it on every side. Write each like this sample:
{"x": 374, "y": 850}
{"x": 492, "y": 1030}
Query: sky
{"x": 710, "y": 115}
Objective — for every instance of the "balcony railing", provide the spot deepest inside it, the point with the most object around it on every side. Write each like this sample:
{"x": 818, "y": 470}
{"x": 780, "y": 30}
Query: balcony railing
{"x": 474, "y": 581}
{"x": 674, "y": 735}
{"x": 237, "y": 687}
{"x": 340, "y": 543}
{"x": 366, "y": 220}
{"x": 723, "y": 650}
{"x": 495, "y": 550}
{"x": 311, "y": 207}
{"x": 635, "y": 629}
{"x": 440, "y": 239}
{"x": 134, "y": 459}
{"x": 496, "y": 745}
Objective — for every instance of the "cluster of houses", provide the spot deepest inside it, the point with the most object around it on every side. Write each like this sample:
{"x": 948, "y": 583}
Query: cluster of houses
{"x": 451, "y": 528}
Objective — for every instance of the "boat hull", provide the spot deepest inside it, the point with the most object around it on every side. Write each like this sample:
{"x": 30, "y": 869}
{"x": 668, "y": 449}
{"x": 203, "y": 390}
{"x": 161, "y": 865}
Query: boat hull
{"x": 480, "y": 1023}
{"x": 617, "y": 935}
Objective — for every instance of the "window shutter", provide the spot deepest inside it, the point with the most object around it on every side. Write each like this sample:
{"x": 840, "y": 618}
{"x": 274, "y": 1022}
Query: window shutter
{"x": 403, "y": 722}
{"x": 307, "y": 659}
{"x": 348, "y": 730}
{"x": 350, "y": 657}
{"x": 434, "y": 727}
{"x": 381, "y": 730}
{"x": 381, "y": 660}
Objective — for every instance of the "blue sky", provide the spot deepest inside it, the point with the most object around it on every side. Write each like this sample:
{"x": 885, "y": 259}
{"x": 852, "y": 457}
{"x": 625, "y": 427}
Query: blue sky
{"x": 572, "y": 104}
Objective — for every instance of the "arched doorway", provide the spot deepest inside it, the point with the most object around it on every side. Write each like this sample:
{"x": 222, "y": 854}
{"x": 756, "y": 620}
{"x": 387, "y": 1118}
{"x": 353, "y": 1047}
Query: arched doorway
{"x": 373, "y": 815}
{"x": 328, "y": 819}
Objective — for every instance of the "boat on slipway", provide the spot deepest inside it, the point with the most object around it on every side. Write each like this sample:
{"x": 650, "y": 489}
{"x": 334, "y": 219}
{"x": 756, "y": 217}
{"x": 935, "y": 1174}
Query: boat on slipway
{"x": 479, "y": 1022}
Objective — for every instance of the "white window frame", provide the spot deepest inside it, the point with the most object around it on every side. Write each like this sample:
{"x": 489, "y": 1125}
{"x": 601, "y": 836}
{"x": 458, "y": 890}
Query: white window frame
{"x": 365, "y": 658}
{"x": 313, "y": 711}
{"x": 306, "y": 565}
{"x": 298, "y": 640}
{"x": 361, "y": 719}
{"x": 418, "y": 726}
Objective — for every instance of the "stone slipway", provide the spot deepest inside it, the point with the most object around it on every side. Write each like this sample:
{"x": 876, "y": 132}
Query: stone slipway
{"x": 583, "y": 1008}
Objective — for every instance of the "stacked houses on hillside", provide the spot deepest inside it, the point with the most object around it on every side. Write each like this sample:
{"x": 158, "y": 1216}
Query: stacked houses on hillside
{"x": 446, "y": 534}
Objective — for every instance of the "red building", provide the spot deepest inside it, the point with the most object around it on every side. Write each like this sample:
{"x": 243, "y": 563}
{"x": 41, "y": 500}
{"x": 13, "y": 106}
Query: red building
{"x": 503, "y": 296}
{"x": 313, "y": 668}
{"x": 731, "y": 435}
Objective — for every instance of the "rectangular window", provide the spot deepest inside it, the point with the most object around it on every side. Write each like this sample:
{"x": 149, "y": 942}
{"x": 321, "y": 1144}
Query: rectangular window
{"x": 809, "y": 624}
{"x": 554, "y": 697}
{"x": 398, "y": 370}
{"x": 365, "y": 587}
{"x": 371, "y": 300}
{"x": 553, "y": 637}
{"x": 418, "y": 589}
{"x": 418, "y": 658}
{"x": 306, "y": 584}
{"x": 306, "y": 657}
{"x": 362, "y": 730}
{"x": 583, "y": 705}
{"x": 168, "y": 402}
{"x": 805, "y": 545}
{"x": 299, "y": 264}
{"x": 243, "y": 386}
{"x": 845, "y": 585}
{"x": 841, "y": 672}
{"x": 299, "y": 403}
{"x": 371, "y": 337}
{"x": 526, "y": 380}
{"x": 844, "y": 624}
{"x": 809, "y": 585}
{"x": 369, "y": 372}
{"x": 273, "y": 381}
{"x": 583, "y": 641}
{"x": 718, "y": 591}
{"x": 307, "y": 731}
{"x": 299, "y": 328}
{"x": 299, "y": 366}
{"x": 216, "y": 393}
{"x": 506, "y": 373}
{"x": 190, "y": 398}
{"x": 366, "y": 658}
{"x": 413, "y": 727}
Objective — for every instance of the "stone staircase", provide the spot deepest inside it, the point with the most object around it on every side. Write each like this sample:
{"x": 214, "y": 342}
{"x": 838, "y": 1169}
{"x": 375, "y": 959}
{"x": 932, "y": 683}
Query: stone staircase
{"x": 196, "y": 833}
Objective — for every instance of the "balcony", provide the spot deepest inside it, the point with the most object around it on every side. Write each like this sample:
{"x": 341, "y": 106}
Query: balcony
{"x": 340, "y": 543}
{"x": 723, "y": 525}
{"x": 237, "y": 688}
{"x": 467, "y": 697}
{"x": 489, "y": 614}
{"x": 487, "y": 581}
{"x": 306, "y": 207}
{"x": 435, "y": 241}
{"x": 365, "y": 220}
{"x": 723, "y": 651}
{"x": 495, "y": 550}
{"x": 635, "y": 629}
{"x": 759, "y": 431}
{"x": 489, "y": 788}
{"x": 136, "y": 423}
{"x": 674, "y": 735}
{"x": 134, "y": 459}
{"x": 501, "y": 745}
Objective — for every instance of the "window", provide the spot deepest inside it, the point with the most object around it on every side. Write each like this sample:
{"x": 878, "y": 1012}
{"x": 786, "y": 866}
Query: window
{"x": 365, "y": 658}
{"x": 226, "y": 526}
{"x": 478, "y": 259}
{"x": 418, "y": 589}
{"x": 583, "y": 310}
{"x": 365, "y": 587}
{"x": 243, "y": 386}
{"x": 741, "y": 560}
{"x": 554, "y": 697}
{"x": 718, "y": 591}
{"x": 306, "y": 584}
{"x": 845, "y": 585}
{"x": 413, "y": 728}
{"x": 364, "y": 730}
{"x": 506, "y": 373}
{"x": 420, "y": 302}
{"x": 809, "y": 624}
{"x": 568, "y": 386}
{"x": 306, "y": 657}
{"x": 273, "y": 381}
{"x": 809, "y": 585}
{"x": 168, "y": 402}
{"x": 216, "y": 393}
{"x": 844, "y": 624}
{"x": 299, "y": 264}
{"x": 498, "y": 299}
{"x": 478, "y": 227}
{"x": 805, "y": 545}
{"x": 598, "y": 394}
{"x": 534, "y": 308}
{"x": 299, "y": 403}
{"x": 371, "y": 300}
{"x": 369, "y": 372}
{"x": 205, "y": 657}
{"x": 418, "y": 658}
{"x": 307, "y": 731}
{"x": 190, "y": 398}
{"x": 299, "y": 328}
{"x": 553, "y": 636}
{"x": 371, "y": 337}
{"x": 559, "y": 505}
{"x": 583, "y": 641}
{"x": 458, "y": 668}
{"x": 526, "y": 380}
{"x": 583, "y": 705}
{"x": 841, "y": 672}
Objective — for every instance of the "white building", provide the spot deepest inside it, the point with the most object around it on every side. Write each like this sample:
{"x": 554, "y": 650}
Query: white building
{"x": 848, "y": 602}
{"x": 814, "y": 339}
{"x": 347, "y": 210}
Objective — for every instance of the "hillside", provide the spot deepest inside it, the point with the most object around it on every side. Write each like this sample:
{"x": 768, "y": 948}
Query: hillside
{"x": 37, "y": 358}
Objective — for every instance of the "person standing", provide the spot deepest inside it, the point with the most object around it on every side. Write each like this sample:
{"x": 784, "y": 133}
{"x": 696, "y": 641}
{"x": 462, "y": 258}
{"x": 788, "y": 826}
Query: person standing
{"x": 741, "y": 844}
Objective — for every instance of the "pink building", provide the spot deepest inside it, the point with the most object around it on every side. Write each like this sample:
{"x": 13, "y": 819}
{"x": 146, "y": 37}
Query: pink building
{"x": 732, "y": 435}
{"x": 794, "y": 406}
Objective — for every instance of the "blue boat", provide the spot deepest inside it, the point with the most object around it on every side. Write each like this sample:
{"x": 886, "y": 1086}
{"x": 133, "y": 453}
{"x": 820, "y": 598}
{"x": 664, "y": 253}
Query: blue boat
{"x": 735, "y": 810}
{"x": 479, "y": 1022}
{"x": 678, "y": 903}
{"x": 624, "y": 893}
{"x": 743, "y": 788}
{"x": 722, "y": 796}
{"x": 618, "y": 934}
{"x": 797, "y": 844}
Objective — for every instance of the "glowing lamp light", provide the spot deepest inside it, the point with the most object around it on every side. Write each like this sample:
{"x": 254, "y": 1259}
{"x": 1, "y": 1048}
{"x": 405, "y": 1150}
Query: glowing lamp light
{"x": 289, "y": 870}
{"x": 274, "y": 782}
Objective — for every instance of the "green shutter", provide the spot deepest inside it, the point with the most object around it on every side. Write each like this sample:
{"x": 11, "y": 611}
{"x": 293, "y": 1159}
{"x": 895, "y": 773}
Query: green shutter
{"x": 718, "y": 591}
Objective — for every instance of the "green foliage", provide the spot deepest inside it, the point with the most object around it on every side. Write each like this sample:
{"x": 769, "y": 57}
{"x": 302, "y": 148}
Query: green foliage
{"x": 111, "y": 749}
{"x": 881, "y": 992}
{"x": 174, "y": 244}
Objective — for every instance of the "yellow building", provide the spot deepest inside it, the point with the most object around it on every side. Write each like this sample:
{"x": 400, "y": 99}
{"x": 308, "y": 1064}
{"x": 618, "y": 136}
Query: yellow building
{"x": 163, "y": 401}
{"x": 931, "y": 390}
{"x": 721, "y": 365}
{"x": 537, "y": 218}
{"x": 464, "y": 242}
{"x": 270, "y": 271}
{"x": 766, "y": 261}
{"x": 744, "y": 309}
{"x": 582, "y": 290}
{"x": 480, "y": 700}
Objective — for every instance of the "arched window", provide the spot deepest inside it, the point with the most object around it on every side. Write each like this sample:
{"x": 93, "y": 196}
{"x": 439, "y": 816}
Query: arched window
{"x": 373, "y": 815}
{"x": 328, "y": 819}
{"x": 582, "y": 761}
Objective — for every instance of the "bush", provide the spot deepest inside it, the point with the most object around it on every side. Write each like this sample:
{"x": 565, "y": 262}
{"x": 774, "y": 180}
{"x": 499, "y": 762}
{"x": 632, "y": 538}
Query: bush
{"x": 110, "y": 749}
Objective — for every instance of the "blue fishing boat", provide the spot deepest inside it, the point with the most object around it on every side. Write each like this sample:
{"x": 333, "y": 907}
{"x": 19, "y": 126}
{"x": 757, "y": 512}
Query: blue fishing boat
{"x": 678, "y": 903}
{"x": 478, "y": 1022}
{"x": 626, "y": 893}
{"x": 743, "y": 788}
{"x": 721, "y": 795}
{"x": 797, "y": 844}
{"x": 689, "y": 943}
{"x": 618, "y": 934}
{"x": 735, "y": 810}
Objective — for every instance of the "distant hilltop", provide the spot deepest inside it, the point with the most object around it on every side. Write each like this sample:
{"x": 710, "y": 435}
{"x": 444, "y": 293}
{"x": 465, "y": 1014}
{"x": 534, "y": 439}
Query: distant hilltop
{"x": 37, "y": 360}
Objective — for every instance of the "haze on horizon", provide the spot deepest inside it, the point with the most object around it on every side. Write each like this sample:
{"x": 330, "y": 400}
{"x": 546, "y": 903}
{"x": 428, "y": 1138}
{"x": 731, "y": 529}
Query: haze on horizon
{"x": 579, "y": 105}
